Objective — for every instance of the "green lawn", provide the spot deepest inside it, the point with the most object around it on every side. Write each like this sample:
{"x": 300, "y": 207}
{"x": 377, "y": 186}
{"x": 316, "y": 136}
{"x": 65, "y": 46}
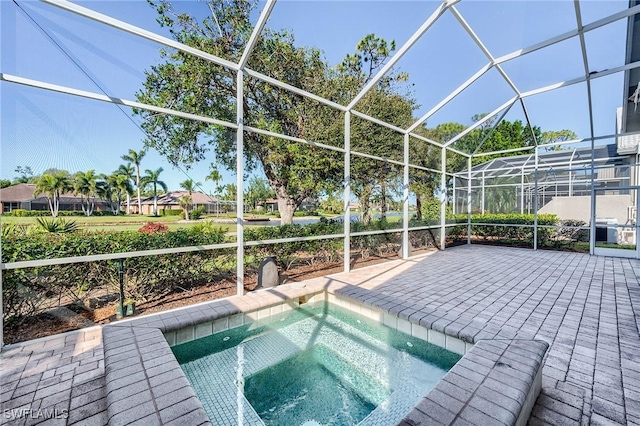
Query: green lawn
{"x": 80, "y": 220}
{"x": 120, "y": 223}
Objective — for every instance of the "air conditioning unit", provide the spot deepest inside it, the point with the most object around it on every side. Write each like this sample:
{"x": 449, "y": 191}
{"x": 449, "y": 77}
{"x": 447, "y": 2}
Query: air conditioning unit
{"x": 605, "y": 232}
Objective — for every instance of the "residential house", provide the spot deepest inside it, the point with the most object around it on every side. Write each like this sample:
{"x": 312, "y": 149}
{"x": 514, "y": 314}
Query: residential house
{"x": 23, "y": 196}
{"x": 171, "y": 201}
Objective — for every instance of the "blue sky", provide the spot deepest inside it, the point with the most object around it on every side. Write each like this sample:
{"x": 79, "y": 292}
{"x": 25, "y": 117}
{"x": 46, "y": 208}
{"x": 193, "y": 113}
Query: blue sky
{"x": 43, "y": 129}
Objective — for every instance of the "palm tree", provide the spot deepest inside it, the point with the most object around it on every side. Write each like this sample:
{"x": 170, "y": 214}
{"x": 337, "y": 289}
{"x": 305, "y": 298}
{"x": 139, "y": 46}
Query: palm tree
{"x": 152, "y": 177}
{"x": 185, "y": 202}
{"x": 136, "y": 158}
{"x": 115, "y": 187}
{"x": 129, "y": 171}
{"x": 215, "y": 176}
{"x": 53, "y": 186}
{"x": 230, "y": 192}
{"x": 188, "y": 185}
{"x": 86, "y": 184}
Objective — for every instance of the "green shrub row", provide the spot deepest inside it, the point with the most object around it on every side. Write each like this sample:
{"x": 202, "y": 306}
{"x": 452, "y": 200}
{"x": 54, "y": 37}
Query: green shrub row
{"x": 29, "y": 291}
{"x": 37, "y": 213}
{"x": 503, "y": 226}
{"x": 172, "y": 212}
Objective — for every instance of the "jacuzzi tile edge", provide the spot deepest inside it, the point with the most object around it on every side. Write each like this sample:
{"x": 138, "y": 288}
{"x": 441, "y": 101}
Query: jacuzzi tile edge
{"x": 496, "y": 383}
{"x": 144, "y": 382}
{"x": 139, "y": 364}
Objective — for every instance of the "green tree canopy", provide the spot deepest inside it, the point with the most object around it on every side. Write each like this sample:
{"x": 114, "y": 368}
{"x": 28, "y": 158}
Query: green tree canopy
{"x": 152, "y": 179}
{"x": 53, "y": 186}
{"x": 136, "y": 157}
{"x": 184, "y": 82}
{"x": 258, "y": 191}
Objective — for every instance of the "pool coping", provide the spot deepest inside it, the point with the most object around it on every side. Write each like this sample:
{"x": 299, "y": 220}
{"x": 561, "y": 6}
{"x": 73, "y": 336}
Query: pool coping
{"x": 145, "y": 384}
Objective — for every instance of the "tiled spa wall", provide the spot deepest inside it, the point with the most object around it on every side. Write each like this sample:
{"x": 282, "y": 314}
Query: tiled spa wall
{"x": 437, "y": 338}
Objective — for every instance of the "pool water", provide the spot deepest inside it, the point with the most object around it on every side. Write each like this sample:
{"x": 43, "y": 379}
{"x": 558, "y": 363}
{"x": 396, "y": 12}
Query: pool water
{"x": 317, "y": 365}
{"x": 310, "y": 385}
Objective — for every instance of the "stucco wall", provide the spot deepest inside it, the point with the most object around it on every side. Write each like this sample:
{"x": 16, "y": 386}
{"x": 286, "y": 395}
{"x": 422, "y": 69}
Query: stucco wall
{"x": 607, "y": 206}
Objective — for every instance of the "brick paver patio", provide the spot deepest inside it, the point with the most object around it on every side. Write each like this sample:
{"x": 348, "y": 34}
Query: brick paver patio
{"x": 583, "y": 306}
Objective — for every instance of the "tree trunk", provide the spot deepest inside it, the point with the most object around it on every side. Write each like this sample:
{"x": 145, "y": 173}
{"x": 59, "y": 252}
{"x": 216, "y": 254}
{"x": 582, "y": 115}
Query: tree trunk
{"x": 383, "y": 200}
{"x": 138, "y": 188}
{"x": 365, "y": 204}
{"x": 128, "y": 203}
{"x": 286, "y": 206}
{"x": 56, "y": 205}
{"x": 53, "y": 214}
{"x": 418, "y": 206}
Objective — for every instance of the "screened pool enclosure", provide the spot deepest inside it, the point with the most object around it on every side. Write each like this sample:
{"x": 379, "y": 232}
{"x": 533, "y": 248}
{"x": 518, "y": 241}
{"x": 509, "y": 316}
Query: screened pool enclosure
{"x": 505, "y": 62}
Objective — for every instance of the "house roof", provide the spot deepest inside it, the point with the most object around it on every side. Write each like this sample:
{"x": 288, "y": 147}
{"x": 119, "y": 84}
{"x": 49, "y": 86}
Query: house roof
{"x": 69, "y": 199}
{"x": 20, "y": 192}
{"x": 24, "y": 192}
{"x": 173, "y": 198}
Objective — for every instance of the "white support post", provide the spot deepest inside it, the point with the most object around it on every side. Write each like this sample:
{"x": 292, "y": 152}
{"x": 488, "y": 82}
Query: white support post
{"x": 469, "y": 200}
{"x": 405, "y": 204}
{"x": 240, "y": 183}
{"x": 535, "y": 201}
{"x": 571, "y": 174}
{"x": 522, "y": 190}
{"x": 587, "y": 78}
{"x": 443, "y": 198}
{"x": 482, "y": 200}
{"x": 255, "y": 34}
{"x": 453, "y": 207}
{"x": 347, "y": 191}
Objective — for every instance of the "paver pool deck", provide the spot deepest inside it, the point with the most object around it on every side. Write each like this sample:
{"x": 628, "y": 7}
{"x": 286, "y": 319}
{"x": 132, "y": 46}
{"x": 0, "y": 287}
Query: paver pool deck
{"x": 587, "y": 308}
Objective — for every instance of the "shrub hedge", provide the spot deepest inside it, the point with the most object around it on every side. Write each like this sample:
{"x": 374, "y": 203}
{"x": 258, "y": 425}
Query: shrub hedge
{"x": 29, "y": 291}
{"x": 172, "y": 212}
{"x": 504, "y": 226}
{"x": 38, "y": 213}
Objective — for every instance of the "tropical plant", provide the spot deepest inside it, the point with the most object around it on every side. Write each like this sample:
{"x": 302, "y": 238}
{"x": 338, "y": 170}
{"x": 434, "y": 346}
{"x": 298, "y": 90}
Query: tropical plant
{"x": 53, "y": 186}
{"x": 229, "y": 192}
{"x": 14, "y": 229}
{"x": 189, "y": 185}
{"x": 152, "y": 178}
{"x": 185, "y": 203}
{"x": 56, "y": 226}
{"x": 214, "y": 176}
{"x": 136, "y": 158}
{"x": 87, "y": 185}
{"x": 130, "y": 172}
{"x": 116, "y": 187}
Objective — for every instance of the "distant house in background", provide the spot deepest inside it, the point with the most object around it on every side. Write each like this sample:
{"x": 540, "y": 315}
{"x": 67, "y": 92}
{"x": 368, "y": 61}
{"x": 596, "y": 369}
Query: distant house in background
{"x": 23, "y": 196}
{"x": 17, "y": 197}
{"x": 171, "y": 201}
{"x": 308, "y": 204}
